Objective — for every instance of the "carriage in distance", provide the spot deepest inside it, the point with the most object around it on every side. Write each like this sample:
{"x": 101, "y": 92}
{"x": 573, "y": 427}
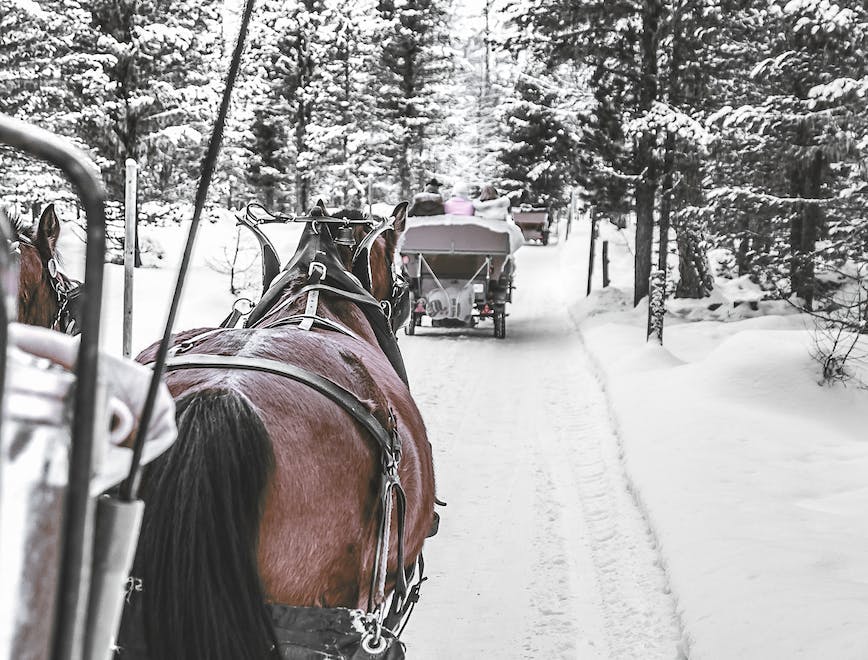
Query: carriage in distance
{"x": 460, "y": 269}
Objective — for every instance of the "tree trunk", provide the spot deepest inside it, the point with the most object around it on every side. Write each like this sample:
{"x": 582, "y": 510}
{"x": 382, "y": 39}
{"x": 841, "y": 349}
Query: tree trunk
{"x": 645, "y": 191}
{"x": 804, "y": 229}
{"x": 695, "y": 279}
{"x": 742, "y": 261}
{"x": 657, "y": 309}
{"x": 646, "y": 165}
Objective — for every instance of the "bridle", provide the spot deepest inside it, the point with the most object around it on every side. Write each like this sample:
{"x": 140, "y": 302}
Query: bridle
{"x": 66, "y": 290}
{"x": 399, "y": 286}
{"x": 399, "y": 298}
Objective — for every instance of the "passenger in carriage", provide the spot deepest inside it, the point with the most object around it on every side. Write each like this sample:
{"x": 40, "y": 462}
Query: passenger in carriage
{"x": 491, "y": 205}
{"x": 460, "y": 203}
{"x": 428, "y": 202}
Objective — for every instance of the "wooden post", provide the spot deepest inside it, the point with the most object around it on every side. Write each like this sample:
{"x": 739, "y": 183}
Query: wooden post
{"x": 605, "y": 264}
{"x": 129, "y": 252}
{"x": 591, "y": 249}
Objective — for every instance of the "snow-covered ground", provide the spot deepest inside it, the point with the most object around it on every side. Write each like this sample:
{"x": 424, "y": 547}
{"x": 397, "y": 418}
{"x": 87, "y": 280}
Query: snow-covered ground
{"x": 542, "y": 552}
{"x": 750, "y": 473}
{"x": 607, "y": 498}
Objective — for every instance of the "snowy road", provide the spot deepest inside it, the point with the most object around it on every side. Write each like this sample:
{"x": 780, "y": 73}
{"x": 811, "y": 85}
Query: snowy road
{"x": 541, "y": 551}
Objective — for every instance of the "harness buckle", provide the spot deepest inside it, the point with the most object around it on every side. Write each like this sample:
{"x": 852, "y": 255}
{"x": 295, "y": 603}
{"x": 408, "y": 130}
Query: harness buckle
{"x": 317, "y": 266}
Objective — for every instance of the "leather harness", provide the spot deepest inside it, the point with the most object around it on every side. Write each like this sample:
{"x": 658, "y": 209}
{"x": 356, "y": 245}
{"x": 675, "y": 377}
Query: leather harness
{"x": 391, "y": 494}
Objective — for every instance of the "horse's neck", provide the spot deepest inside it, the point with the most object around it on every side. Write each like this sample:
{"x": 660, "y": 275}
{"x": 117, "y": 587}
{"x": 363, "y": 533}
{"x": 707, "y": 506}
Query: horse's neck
{"x": 330, "y": 306}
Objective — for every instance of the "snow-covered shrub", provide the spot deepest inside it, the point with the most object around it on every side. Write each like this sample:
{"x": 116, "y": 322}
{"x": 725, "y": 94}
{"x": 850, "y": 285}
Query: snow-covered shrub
{"x": 841, "y": 323}
{"x": 238, "y": 258}
{"x": 152, "y": 251}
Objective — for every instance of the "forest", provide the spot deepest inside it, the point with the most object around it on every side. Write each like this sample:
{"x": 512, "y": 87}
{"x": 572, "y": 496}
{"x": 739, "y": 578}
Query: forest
{"x": 733, "y": 128}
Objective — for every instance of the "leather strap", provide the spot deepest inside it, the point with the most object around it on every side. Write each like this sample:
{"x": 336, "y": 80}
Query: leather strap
{"x": 349, "y": 295}
{"x": 318, "y": 321}
{"x": 390, "y": 445}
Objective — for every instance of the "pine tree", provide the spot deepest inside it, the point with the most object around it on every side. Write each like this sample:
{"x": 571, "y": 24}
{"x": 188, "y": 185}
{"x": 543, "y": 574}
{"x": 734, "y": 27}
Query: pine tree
{"x": 474, "y": 129}
{"x": 540, "y": 156}
{"x": 32, "y": 39}
{"x": 142, "y": 77}
{"x": 339, "y": 133}
{"x": 287, "y": 56}
{"x": 617, "y": 45}
{"x": 789, "y": 151}
{"x": 411, "y": 66}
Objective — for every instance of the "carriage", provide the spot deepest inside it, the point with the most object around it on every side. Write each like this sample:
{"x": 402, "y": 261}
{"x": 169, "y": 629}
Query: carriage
{"x": 534, "y": 221}
{"x": 460, "y": 270}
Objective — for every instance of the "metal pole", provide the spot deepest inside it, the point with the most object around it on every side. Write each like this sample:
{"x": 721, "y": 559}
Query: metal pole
{"x": 591, "y": 249}
{"x": 370, "y": 195}
{"x": 605, "y": 264}
{"x": 129, "y": 251}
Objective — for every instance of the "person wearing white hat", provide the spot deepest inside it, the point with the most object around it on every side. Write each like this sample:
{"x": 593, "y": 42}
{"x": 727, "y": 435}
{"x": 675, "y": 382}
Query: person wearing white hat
{"x": 459, "y": 203}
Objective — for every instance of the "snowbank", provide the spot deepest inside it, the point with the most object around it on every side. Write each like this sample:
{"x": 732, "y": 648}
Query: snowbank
{"x": 751, "y": 474}
{"x": 206, "y": 300}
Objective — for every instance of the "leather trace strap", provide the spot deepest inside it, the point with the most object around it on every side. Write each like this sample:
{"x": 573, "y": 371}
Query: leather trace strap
{"x": 390, "y": 443}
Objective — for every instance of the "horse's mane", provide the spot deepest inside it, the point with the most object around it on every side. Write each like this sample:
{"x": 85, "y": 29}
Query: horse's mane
{"x": 350, "y": 214}
{"x": 17, "y": 222}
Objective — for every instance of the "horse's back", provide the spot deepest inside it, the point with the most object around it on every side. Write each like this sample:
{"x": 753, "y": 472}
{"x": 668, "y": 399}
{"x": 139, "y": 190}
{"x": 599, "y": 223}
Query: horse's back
{"x": 320, "y": 519}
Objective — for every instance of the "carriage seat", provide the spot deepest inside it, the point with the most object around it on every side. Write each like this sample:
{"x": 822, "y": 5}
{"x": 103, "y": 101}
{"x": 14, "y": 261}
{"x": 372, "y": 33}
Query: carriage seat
{"x": 127, "y": 384}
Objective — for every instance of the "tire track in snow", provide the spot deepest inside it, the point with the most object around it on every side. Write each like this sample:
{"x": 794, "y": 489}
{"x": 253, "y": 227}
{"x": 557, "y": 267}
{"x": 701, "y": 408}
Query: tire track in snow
{"x": 542, "y": 552}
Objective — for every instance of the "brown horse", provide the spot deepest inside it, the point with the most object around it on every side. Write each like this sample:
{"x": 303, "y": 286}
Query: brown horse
{"x": 273, "y": 492}
{"x": 46, "y": 297}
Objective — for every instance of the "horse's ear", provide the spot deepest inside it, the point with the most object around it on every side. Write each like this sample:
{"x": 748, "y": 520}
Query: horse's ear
{"x": 399, "y": 213}
{"x": 48, "y": 232}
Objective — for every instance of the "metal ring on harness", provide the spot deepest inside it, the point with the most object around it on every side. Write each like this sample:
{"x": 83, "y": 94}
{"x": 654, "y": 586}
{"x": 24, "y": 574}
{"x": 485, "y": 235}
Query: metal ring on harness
{"x": 374, "y": 644}
{"x": 236, "y": 308}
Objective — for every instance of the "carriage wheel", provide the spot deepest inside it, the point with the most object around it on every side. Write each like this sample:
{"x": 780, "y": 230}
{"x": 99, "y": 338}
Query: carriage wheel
{"x": 500, "y": 323}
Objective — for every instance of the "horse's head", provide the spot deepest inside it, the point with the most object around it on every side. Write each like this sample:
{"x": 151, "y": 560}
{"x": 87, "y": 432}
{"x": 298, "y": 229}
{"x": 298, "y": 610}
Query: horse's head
{"x": 371, "y": 258}
{"x": 43, "y": 291}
